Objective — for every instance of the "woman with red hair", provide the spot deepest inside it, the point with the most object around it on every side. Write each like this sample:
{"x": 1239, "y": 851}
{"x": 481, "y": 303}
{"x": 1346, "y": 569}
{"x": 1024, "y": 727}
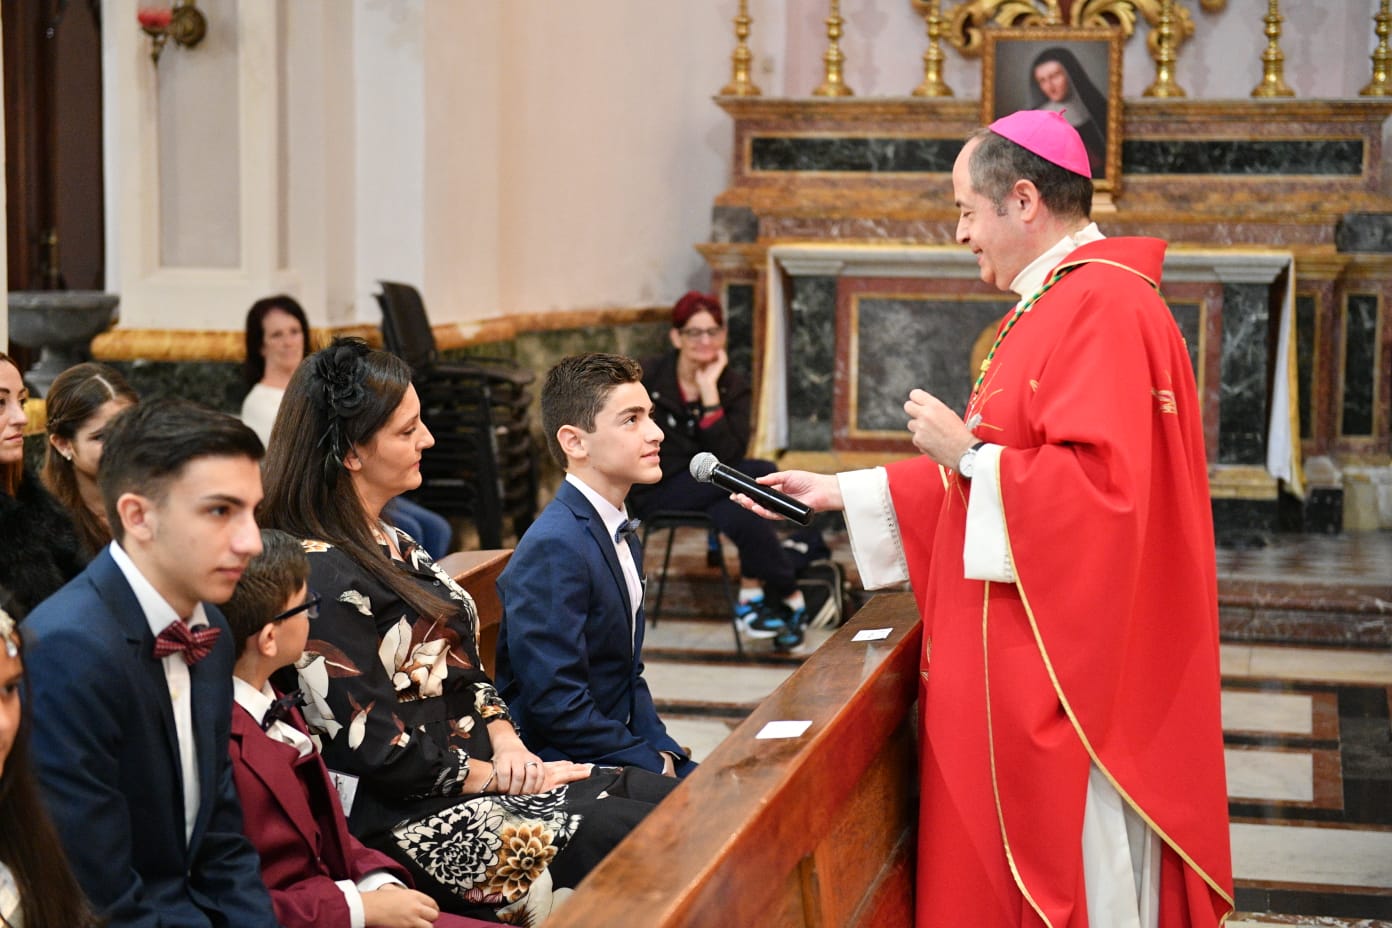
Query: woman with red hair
{"x": 704, "y": 406}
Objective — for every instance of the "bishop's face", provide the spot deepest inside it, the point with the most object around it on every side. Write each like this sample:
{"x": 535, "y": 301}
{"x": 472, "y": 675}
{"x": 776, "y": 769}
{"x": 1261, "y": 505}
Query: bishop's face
{"x": 996, "y": 236}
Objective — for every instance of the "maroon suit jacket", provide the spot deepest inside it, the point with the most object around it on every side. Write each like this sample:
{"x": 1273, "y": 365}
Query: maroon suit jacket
{"x": 302, "y": 855}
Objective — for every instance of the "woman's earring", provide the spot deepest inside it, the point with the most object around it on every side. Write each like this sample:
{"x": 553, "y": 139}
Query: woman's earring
{"x": 67, "y": 456}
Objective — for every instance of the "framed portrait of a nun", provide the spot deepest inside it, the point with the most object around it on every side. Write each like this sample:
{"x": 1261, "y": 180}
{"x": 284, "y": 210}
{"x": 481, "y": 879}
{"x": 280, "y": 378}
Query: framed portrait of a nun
{"x": 1076, "y": 72}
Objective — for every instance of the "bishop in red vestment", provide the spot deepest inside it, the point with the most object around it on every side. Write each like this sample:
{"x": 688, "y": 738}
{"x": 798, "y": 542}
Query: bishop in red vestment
{"x": 1059, "y": 542}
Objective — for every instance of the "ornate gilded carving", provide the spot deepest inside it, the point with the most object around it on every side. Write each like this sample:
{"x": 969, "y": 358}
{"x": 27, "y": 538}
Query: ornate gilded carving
{"x": 966, "y": 20}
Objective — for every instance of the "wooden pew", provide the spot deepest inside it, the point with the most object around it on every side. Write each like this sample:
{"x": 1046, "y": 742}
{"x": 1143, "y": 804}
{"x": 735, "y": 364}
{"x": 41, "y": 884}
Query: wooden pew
{"x": 477, "y": 572}
{"x": 815, "y": 831}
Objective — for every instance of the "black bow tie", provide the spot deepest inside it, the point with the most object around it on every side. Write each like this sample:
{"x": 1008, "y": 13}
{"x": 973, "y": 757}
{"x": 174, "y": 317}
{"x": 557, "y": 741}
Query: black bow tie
{"x": 626, "y": 529}
{"x": 280, "y": 708}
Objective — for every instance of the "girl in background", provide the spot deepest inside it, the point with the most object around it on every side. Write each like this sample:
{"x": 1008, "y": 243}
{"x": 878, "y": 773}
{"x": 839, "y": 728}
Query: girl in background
{"x": 82, "y": 400}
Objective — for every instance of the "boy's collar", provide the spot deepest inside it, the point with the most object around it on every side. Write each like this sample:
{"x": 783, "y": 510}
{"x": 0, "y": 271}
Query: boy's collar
{"x": 611, "y": 517}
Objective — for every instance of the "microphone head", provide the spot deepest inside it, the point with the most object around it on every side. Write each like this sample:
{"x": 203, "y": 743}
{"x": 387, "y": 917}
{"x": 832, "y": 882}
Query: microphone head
{"x": 703, "y": 465}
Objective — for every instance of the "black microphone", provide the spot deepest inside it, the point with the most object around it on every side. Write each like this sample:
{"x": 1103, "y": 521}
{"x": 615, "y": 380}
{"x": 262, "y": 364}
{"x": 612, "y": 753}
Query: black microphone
{"x": 706, "y": 468}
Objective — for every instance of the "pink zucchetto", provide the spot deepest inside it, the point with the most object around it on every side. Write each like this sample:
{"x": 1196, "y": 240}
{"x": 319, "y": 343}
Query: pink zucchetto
{"x": 1048, "y": 135}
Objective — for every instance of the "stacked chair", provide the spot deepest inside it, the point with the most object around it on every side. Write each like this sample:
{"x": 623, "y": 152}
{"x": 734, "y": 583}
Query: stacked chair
{"x": 484, "y": 463}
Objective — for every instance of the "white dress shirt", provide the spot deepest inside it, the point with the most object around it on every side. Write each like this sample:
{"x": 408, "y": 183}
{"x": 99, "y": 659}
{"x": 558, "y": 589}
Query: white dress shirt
{"x": 612, "y": 519}
{"x": 160, "y": 615}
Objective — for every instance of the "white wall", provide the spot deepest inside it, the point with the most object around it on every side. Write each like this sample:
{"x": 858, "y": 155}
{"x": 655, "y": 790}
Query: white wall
{"x": 528, "y": 156}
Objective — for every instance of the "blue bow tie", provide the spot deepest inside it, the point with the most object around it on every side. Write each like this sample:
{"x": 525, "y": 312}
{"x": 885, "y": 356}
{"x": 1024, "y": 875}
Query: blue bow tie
{"x": 626, "y": 529}
{"x": 279, "y": 709}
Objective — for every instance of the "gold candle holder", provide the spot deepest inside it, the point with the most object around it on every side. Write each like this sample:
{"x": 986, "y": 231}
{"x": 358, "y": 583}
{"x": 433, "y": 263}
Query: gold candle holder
{"x": 1164, "y": 55}
{"x": 1381, "y": 84}
{"x": 740, "y": 85}
{"x": 1273, "y": 82}
{"x": 933, "y": 84}
{"x": 833, "y": 85}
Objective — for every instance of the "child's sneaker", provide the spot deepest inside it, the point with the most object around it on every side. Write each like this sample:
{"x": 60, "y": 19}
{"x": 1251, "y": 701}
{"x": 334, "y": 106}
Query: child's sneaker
{"x": 766, "y": 620}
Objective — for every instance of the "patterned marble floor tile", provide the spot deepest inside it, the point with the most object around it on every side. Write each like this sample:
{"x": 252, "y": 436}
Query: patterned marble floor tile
{"x": 1324, "y": 856}
{"x": 1275, "y": 776}
{"x": 1275, "y": 713}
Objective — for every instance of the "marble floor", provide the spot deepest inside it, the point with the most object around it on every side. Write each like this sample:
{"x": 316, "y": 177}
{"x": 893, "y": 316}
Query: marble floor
{"x": 1307, "y": 715}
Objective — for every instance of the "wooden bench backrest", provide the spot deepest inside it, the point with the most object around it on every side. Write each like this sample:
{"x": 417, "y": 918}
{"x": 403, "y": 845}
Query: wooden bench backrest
{"x": 817, "y": 830}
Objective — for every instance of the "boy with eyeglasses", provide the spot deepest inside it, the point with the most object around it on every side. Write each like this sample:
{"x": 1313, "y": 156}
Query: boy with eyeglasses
{"x": 317, "y": 873}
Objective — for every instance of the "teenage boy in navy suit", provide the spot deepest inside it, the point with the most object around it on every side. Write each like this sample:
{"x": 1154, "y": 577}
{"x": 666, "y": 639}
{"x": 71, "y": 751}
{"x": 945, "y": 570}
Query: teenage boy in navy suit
{"x": 570, "y": 649}
{"x": 129, "y": 670}
{"x": 319, "y": 875}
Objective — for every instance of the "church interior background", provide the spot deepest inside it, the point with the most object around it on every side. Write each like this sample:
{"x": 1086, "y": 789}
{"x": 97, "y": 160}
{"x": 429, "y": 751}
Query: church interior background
{"x": 551, "y": 177}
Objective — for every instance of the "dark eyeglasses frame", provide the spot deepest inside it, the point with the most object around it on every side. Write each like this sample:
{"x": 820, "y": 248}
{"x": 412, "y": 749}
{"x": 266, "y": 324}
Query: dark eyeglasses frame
{"x": 712, "y": 333}
{"x": 310, "y": 606}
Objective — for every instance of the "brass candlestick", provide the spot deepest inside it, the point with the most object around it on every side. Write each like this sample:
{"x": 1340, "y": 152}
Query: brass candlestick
{"x": 1164, "y": 55}
{"x": 1381, "y": 84}
{"x": 834, "y": 85}
{"x": 740, "y": 85}
{"x": 933, "y": 84}
{"x": 1273, "y": 83}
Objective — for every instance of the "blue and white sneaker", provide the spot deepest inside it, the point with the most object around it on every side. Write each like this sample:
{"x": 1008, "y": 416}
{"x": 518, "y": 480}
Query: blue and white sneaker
{"x": 766, "y": 620}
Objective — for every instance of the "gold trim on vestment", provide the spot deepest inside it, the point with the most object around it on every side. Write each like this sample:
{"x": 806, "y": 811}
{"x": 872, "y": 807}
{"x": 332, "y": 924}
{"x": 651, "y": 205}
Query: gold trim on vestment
{"x": 1077, "y": 726}
{"x": 991, "y": 750}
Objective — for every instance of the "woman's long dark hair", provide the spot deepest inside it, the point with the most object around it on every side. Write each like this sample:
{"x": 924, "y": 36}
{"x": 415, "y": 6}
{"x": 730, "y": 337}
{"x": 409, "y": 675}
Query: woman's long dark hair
{"x": 74, "y": 397}
{"x": 49, "y": 894}
{"x": 254, "y": 366}
{"x": 337, "y": 400}
{"x": 11, "y": 474}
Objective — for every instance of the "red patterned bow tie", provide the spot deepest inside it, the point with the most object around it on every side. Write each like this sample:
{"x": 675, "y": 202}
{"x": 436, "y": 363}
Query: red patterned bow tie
{"x": 177, "y": 636}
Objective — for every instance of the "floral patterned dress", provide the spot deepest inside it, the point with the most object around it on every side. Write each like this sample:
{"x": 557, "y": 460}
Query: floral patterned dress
{"x": 401, "y": 702}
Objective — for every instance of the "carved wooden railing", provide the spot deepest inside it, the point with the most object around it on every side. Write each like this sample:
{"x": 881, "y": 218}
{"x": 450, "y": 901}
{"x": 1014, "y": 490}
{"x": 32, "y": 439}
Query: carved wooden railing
{"x": 816, "y": 830}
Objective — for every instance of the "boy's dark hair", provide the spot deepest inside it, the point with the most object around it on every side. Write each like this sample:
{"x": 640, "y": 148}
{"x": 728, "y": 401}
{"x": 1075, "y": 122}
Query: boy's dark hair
{"x": 148, "y": 445}
{"x": 997, "y": 163}
{"x": 271, "y": 578}
{"x": 577, "y": 388}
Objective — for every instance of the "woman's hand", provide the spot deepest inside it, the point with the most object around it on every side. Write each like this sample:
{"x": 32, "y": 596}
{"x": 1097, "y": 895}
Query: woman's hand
{"x": 560, "y": 772}
{"x": 707, "y": 376}
{"x": 519, "y": 771}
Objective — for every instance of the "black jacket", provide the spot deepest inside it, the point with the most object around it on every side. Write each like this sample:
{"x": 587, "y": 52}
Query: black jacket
{"x": 41, "y": 548}
{"x": 727, "y": 439}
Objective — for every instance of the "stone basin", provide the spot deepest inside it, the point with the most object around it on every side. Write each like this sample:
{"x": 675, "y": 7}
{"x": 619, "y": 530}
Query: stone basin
{"x": 60, "y": 324}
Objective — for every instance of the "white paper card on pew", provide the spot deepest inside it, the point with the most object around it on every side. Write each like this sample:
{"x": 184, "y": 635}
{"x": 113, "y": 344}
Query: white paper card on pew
{"x": 783, "y": 729}
{"x": 872, "y": 634}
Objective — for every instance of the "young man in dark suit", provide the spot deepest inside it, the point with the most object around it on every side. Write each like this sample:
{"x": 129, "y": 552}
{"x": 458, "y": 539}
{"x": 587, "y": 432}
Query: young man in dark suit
{"x": 129, "y": 670}
{"x": 570, "y": 649}
{"x": 319, "y": 875}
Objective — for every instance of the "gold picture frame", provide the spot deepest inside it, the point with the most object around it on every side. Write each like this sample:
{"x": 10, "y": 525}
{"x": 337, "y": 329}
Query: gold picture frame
{"x": 1048, "y": 67}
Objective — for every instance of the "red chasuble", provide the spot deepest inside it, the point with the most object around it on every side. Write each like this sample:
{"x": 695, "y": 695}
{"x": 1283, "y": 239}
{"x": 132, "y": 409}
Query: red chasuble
{"x": 1105, "y": 649}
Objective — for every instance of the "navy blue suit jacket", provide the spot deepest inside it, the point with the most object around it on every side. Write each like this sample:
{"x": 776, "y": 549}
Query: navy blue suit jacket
{"x": 570, "y": 665}
{"x": 107, "y": 755}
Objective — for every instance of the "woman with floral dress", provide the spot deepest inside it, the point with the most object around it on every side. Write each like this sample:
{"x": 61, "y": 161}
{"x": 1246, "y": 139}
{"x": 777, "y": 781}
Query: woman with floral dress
{"x": 430, "y": 766}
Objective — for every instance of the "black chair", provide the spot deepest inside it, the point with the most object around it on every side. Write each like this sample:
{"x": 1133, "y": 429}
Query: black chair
{"x": 484, "y": 464}
{"x": 671, "y": 520}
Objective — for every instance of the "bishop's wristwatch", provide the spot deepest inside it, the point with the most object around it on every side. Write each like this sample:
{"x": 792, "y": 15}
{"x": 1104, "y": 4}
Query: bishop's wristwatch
{"x": 966, "y": 464}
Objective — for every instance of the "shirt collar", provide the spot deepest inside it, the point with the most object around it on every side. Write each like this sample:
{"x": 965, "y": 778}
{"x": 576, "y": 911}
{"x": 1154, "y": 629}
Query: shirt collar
{"x": 1037, "y": 271}
{"x": 158, "y": 613}
{"x": 254, "y": 701}
{"x": 611, "y": 517}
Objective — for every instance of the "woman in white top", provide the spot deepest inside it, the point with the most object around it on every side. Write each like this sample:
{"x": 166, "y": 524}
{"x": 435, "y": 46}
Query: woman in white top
{"x": 277, "y": 340}
{"x": 277, "y": 336}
